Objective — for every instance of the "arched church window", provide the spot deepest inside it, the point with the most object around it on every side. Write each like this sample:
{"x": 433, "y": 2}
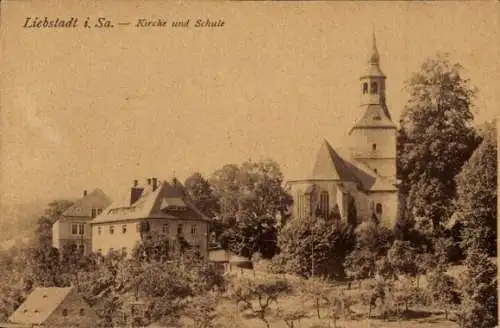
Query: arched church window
{"x": 378, "y": 208}
{"x": 365, "y": 88}
{"x": 324, "y": 203}
{"x": 374, "y": 87}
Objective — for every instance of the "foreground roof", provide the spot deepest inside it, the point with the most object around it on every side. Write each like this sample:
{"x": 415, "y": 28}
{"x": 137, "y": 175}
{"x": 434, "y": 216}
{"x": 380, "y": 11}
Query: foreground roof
{"x": 39, "y": 305}
{"x": 167, "y": 201}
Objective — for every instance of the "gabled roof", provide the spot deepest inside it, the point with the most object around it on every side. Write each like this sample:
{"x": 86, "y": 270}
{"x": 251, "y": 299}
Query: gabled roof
{"x": 166, "y": 201}
{"x": 375, "y": 116}
{"x": 83, "y": 207}
{"x": 331, "y": 165}
{"x": 39, "y": 305}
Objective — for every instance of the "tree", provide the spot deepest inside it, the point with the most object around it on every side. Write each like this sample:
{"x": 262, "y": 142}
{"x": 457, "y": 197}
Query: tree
{"x": 257, "y": 295}
{"x": 435, "y": 140}
{"x": 476, "y": 203}
{"x": 316, "y": 246}
{"x": 372, "y": 242}
{"x": 201, "y": 310}
{"x": 251, "y": 198}
{"x": 478, "y": 287}
{"x": 201, "y": 192}
{"x": 315, "y": 288}
{"x": 443, "y": 290}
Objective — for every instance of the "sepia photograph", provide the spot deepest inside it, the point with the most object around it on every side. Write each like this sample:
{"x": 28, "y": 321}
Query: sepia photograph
{"x": 237, "y": 164}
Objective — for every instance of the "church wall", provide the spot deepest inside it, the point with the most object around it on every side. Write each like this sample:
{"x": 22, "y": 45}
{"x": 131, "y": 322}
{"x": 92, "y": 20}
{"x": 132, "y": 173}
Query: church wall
{"x": 362, "y": 202}
{"x": 300, "y": 187}
{"x": 364, "y": 139}
{"x": 383, "y": 157}
{"x": 389, "y": 201}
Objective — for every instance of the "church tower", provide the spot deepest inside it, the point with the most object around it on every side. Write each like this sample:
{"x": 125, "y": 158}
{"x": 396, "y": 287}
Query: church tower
{"x": 373, "y": 137}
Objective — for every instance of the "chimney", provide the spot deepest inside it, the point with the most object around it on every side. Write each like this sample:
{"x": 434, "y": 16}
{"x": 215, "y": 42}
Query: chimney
{"x": 84, "y": 193}
{"x": 135, "y": 192}
{"x": 155, "y": 183}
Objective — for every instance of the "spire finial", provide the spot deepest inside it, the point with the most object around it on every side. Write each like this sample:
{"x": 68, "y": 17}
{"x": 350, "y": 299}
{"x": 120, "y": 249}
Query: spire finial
{"x": 374, "y": 57}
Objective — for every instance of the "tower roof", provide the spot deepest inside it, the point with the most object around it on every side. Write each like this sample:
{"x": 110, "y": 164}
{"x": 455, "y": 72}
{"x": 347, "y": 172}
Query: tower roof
{"x": 376, "y": 116}
{"x": 373, "y": 69}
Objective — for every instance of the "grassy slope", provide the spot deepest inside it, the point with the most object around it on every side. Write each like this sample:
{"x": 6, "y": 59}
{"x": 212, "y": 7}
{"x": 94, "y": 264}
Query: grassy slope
{"x": 229, "y": 316}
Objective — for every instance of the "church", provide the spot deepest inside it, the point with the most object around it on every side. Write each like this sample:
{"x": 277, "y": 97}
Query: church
{"x": 359, "y": 183}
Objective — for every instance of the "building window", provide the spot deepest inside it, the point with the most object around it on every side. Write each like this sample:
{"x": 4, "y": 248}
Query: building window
{"x": 302, "y": 207}
{"x": 82, "y": 312}
{"x": 111, "y": 230}
{"x": 324, "y": 203}
{"x": 81, "y": 248}
{"x": 99, "y": 230}
{"x": 179, "y": 229}
{"x": 65, "y": 312}
{"x": 77, "y": 229}
{"x": 374, "y": 147}
{"x": 165, "y": 228}
{"x": 365, "y": 88}
{"x": 193, "y": 230}
{"x": 138, "y": 227}
{"x": 124, "y": 228}
{"x": 375, "y": 170}
{"x": 374, "y": 88}
{"x": 96, "y": 212}
{"x": 378, "y": 208}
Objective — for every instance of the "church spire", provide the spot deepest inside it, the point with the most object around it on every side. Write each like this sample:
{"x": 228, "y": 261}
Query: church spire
{"x": 374, "y": 57}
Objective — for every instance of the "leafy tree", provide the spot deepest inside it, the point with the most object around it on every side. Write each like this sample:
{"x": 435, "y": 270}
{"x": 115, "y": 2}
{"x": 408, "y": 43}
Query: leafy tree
{"x": 203, "y": 197}
{"x": 338, "y": 305}
{"x": 476, "y": 204}
{"x": 435, "y": 140}
{"x": 316, "y": 246}
{"x": 257, "y": 295}
{"x": 315, "y": 288}
{"x": 251, "y": 198}
{"x": 443, "y": 290}
{"x": 202, "y": 194}
{"x": 201, "y": 310}
{"x": 372, "y": 242}
{"x": 478, "y": 290}
{"x": 403, "y": 258}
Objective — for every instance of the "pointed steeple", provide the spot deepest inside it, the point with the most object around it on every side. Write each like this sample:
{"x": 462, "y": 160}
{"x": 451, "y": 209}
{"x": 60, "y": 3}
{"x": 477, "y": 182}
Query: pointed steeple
{"x": 374, "y": 57}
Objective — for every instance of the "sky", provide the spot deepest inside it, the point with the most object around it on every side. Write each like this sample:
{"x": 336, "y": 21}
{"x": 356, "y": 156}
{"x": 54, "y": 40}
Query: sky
{"x": 86, "y": 108}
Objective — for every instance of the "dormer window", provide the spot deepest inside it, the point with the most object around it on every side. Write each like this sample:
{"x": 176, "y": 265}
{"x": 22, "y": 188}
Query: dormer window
{"x": 374, "y": 88}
